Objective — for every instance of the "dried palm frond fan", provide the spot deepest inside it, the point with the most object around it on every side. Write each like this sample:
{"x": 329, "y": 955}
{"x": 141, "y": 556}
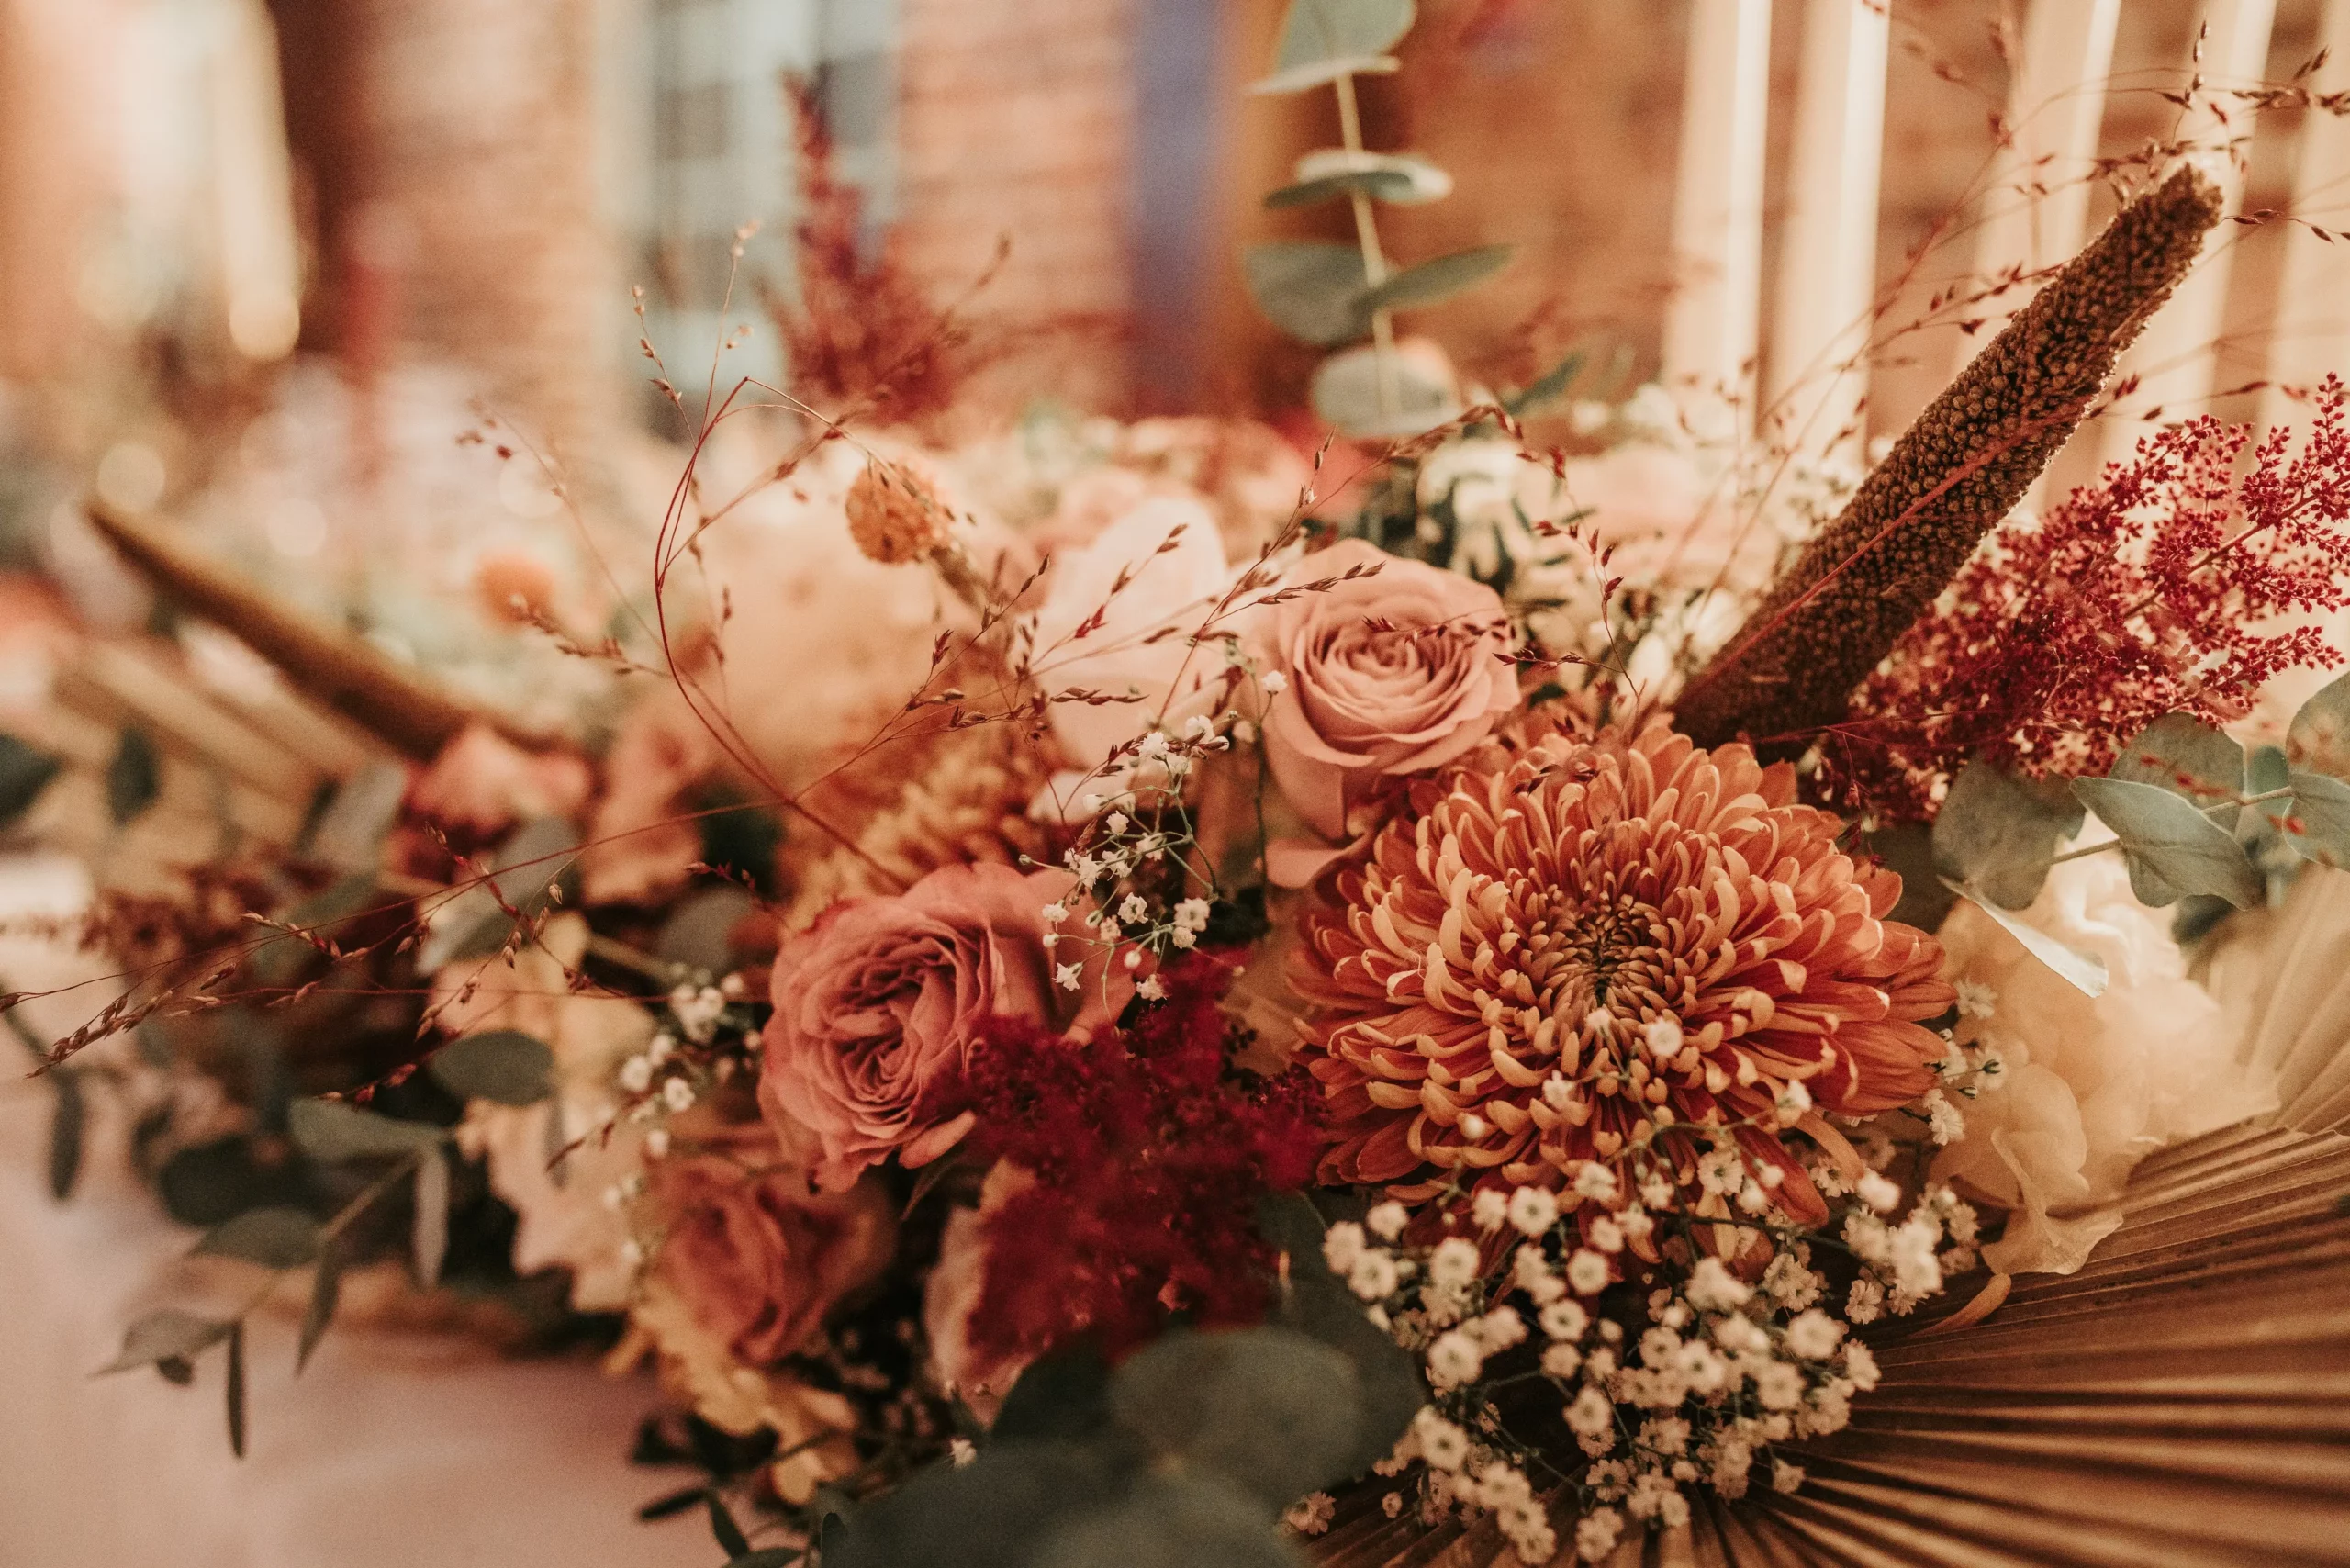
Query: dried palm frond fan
{"x": 2185, "y": 1397}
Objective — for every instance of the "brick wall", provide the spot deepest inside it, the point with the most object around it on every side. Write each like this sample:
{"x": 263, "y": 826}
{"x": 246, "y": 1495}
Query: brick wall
{"x": 1015, "y": 121}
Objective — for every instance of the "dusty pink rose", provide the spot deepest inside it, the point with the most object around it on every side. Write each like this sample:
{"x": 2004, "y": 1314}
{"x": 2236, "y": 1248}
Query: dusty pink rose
{"x": 1392, "y": 673}
{"x": 639, "y": 846}
{"x": 483, "y": 783}
{"x": 877, "y": 1004}
{"x": 757, "y": 1258}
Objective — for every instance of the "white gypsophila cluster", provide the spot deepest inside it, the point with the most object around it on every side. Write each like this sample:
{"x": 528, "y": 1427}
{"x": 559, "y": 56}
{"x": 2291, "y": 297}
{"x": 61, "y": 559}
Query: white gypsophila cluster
{"x": 708, "y": 1034}
{"x": 1138, "y": 861}
{"x": 1710, "y": 1373}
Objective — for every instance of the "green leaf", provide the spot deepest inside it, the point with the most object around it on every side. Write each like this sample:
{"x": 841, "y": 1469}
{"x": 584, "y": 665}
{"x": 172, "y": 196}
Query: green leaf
{"x": 1907, "y": 849}
{"x": 25, "y": 772}
{"x": 699, "y": 932}
{"x": 1309, "y": 289}
{"x": 1439, "y": 279}
{"x": 987, "y": 1514}
{"x": 2191, "y": 759}
{"x": 1552, "y": 383}
{"x": 1996, "y": 833}
{"x": 349, "y": 833}
{"x": 1271, "y": 1410}
{"x": 429, "y": 1225}
{"x": 2085, "y": 972}
{"x": 2266, "y": 769}
{"x": 273, "y": 1238}
{"x": 474, "y": 924}
{"x": 1347, "y": 392}
{"x": 2172, "y": 848}
{"x": 1323, "y": 40}
{"x": 331, "y": 1130}
{"x": 2319, "y": 826}
{"x": 731, "y": 1539}
{"x": 134, "y": 777}
{"x": 167, "y": 1334}
{"x": 769, "y": 1557}
{"x": 65, "y": 1125}
{"x": 237, "y": 1389}
{"x": 1171, "y": 1521}
{"x": 503, "y": 1065}
{"x": 1063, "y": 1395}
{"x": 326, "y": 1290}
{"x": 2318, "y": 741}
{"x": 1393, "y": 177}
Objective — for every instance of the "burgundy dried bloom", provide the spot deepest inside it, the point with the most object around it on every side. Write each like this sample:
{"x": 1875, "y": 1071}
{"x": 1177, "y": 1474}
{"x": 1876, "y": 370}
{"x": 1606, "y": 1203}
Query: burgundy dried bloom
{"x": 1149, "y": 1161}
{"x": 2167, "y": 586}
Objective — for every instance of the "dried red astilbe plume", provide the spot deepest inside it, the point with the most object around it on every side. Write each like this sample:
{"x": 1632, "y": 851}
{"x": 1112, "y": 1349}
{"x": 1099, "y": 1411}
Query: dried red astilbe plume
{"x": 2167, "y": 586}
{"x": 863, "y": 327}
{"x": 1577, "y": 946}
{"x": 1150, "y": 1158}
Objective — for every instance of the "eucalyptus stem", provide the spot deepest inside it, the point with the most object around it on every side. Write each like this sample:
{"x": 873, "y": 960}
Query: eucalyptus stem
{"x": 2232, "y": 803}
{"x": 1374, "y": 260}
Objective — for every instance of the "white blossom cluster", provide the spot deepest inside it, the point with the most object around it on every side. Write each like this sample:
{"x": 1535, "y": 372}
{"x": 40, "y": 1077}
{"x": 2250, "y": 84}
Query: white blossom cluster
{"x": 708, "y": 1031}
{"x": 1137, "y": 848}
{"x": 1709, "y": 1373}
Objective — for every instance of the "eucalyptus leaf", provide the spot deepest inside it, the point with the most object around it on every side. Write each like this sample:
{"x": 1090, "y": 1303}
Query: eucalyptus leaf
{"x": 65, "y": 1128}
{"x": 1322, "y": 40}
{"x": 2172, "y": 848}
{"x": 2267, "y": 770}
{"x": 134, "y": 777}
{"x": 769, "y": 1557}
{"x": 987, "y": 1514}
{"x": 474, "y": 924}
{"x": 274, "y": 1238}
{"x": 731, "y": 1539}
{"x": 1271, "y": 1410}
{"x": 700, "y": 932}
{"x": 167, "y": 1334}
{"x": 1437, "y": 280}
{"x": 1396, "y": 178}
{"x": 504, "y": 1066}
{"x": 1309, "y": 289}
{"x": 2085, "y": 972}
{"x": 2319, "y": 826}
{"x": 429, "y": 1223}
{"x": 2318, "y": 741}
{"x": 351, "y": 831}
{"x": 1171, "y": 1521}
{"x": 333, "y": 1130}
{"x": 1996, "y": 834}
{"x": 326, "y": 1290}
{"x": 25, "y": 772}
{"x": 1347, "y": 392}
{"x": 235, "y": 1389}
{"x": 2186, "y": 757}
{"x": 1552, "y": 383}
{"x": 279, "y": 961}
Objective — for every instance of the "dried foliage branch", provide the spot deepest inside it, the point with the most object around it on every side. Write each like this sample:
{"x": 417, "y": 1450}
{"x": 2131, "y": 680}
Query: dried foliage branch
{"x": 1951, "y": 477}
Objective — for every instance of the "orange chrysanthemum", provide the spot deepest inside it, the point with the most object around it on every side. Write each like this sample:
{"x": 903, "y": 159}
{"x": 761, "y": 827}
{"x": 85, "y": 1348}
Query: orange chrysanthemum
{"x": 1492, "y": 986}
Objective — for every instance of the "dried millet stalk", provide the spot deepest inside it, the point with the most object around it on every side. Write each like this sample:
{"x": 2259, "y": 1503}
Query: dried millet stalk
{"x": 1951, "y": 477}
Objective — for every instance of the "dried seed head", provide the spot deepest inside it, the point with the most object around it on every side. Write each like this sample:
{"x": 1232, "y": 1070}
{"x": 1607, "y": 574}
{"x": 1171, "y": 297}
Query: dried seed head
{"x": 1952, "y": 477}
{"x": 894, "y": 516}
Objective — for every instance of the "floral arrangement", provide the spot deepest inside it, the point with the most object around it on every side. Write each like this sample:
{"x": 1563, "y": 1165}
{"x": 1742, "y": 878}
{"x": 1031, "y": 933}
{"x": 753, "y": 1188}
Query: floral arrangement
{"x": 1222, "y": 1019}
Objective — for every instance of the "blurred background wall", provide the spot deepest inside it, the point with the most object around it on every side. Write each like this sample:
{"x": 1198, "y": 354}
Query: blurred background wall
{"x": 191, "y": 191}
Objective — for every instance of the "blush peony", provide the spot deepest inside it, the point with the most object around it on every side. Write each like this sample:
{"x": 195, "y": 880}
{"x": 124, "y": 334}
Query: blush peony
{"x": 1397, "y": 671}
{"x": 1575, "y": 946}
{"x": 877, "y": 1004}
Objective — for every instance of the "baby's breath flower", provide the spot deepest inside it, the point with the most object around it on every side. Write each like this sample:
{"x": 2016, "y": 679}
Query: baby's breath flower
{"x": 677, "y": 1094}
{"x": 1587, "y": 1271}
{"x": 1532, "y": 1210}
{"x": 1489, "y": 1209}
{"x": 1387, "y": 1220}
{"x": 1454, "y": 1262}
{"x": 636, "y": 1074}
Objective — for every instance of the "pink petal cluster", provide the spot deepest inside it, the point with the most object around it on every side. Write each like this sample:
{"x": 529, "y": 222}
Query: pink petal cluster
{"x": 876, "y": 1007}
{"x": 1397, "y": 671}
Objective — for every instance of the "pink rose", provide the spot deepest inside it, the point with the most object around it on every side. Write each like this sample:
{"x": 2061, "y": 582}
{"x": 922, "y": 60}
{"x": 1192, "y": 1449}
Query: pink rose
{"x": 1392, "y": 673}
{"x": 759, "y": 1260}
{"x": 877, "y": 1005}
